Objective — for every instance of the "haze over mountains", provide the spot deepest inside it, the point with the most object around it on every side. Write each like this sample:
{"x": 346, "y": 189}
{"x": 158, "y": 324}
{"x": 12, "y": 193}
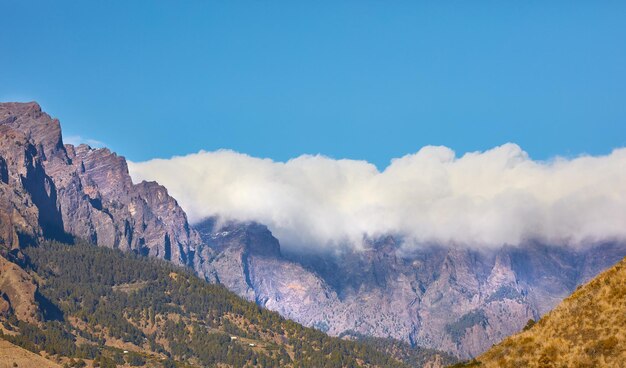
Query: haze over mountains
{"x": 453, "y": 254}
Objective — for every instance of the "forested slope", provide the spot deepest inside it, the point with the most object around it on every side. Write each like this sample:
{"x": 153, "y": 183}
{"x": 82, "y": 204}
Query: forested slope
{"x": 96, "y": 302}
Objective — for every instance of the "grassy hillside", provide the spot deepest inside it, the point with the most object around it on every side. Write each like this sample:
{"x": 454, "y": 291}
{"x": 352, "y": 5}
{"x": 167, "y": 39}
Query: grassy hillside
{"x": 588, "y": 329}
{"x": 14, "y": 356}
{"x": 107, "y": 302}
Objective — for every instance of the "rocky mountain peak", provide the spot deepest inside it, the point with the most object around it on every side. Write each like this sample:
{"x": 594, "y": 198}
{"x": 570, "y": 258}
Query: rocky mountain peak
{"x": 39, "y": 128}
{"x": 502, "y": 271}
{"x": 252, "y": 237}
{"x": 82, "y": 192}
{"x": 104, "y": 170}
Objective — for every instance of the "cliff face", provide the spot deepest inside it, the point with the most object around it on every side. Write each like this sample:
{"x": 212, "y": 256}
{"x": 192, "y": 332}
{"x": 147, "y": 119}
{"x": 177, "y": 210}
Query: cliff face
{"x": 24, "y": 186}
{"x": 60, "y": 191}
{"x": 457, "y": 300}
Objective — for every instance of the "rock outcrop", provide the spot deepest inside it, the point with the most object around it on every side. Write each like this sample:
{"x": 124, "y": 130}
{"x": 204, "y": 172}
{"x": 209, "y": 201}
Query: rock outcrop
{"x": 62, "y": 192}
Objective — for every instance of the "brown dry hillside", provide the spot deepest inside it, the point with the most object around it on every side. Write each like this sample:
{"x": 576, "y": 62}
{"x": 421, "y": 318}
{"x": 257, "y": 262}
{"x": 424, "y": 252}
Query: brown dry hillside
{"x": 14, "y": 356}
{"x": 588, "y": 329}
{"x": 17, "y": 292}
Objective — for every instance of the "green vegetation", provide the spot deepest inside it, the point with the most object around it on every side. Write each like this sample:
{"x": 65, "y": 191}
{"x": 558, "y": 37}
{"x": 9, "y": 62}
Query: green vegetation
{"x": 470, "y": 364}
{"x": 505, "y": 292}
{"x": 457, "y": 329}
{"x": 529, "y": 324}
{"x": 413, "y": 356}
{"x": 112, "y": 301}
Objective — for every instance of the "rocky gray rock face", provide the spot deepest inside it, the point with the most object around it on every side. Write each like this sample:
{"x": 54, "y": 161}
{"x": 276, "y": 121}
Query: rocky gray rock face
{"x": 23, "y": 186}
{"x": 60, "y": 191}
{"x": 230, "y": 248}
{"x": 457, "y": 300}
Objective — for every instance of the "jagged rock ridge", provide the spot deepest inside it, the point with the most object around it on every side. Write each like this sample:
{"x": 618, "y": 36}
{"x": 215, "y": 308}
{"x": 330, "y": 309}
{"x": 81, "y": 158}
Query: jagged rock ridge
{"x": 60, "y": 191}
{"x": 457, "y": 300}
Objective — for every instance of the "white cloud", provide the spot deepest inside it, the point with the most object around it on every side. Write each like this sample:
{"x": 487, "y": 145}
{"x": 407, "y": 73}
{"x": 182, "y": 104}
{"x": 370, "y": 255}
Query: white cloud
{"x": 77, "y": 140}
{"x": 490, "y": 198}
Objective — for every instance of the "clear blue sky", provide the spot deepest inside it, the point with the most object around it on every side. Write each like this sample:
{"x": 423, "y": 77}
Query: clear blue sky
{"x": 349, "y": 79}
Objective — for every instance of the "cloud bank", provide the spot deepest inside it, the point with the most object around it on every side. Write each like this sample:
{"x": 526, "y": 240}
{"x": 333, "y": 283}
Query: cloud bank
{"x": 482, "y": 199}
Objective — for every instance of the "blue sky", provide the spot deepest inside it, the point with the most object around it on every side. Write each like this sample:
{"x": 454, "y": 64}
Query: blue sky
{"x": 367, "y": 80}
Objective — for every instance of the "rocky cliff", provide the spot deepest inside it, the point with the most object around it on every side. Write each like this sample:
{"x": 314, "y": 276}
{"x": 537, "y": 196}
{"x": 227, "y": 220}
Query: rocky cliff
{"x": 60, "y": 191}
{"x": 457, "y": 300}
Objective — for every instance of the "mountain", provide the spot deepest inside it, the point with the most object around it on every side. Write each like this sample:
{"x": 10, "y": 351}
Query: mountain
{"x": 100, "y": 306}
{"x": 453, "y": 299}
{"x": 57, "y": 191}
{"x": 587, "y": 329}
{"x": 53, "y": 191}
{"x": 456, "y": 299}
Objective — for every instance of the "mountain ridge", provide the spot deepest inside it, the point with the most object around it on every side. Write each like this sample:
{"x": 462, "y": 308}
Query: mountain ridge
{"x": 85, "y": 192}
{"x": 117, "y": 307}
{"x": 476, "y": 298}
{"x": 460, "y": 300}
